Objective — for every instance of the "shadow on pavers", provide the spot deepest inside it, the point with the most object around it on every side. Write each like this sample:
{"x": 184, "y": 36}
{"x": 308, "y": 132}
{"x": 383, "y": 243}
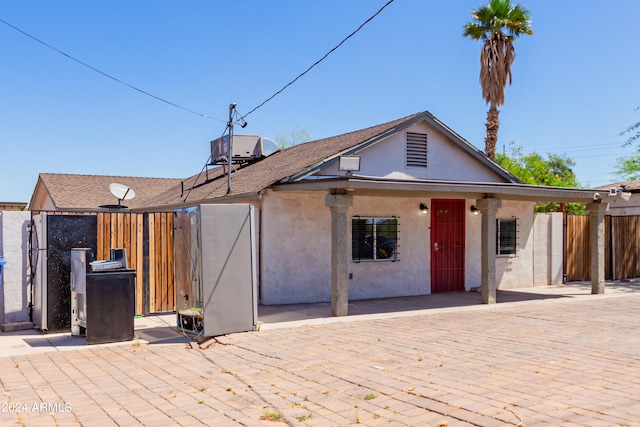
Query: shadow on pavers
{"x": 296, "y": 312}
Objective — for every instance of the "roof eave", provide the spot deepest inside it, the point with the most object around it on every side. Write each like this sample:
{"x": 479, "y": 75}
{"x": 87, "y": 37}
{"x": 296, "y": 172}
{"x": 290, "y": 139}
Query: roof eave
{"x": 232, "y": 198}
{"x": 425, "y": 116}
{"x": 507, "y": 191}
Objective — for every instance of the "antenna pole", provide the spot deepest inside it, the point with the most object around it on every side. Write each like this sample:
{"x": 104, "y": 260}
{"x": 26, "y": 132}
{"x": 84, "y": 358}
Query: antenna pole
{"x": 232, "y": 109}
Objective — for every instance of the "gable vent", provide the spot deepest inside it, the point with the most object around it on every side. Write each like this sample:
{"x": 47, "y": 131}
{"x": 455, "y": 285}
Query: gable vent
{"x": 416, "y": 150}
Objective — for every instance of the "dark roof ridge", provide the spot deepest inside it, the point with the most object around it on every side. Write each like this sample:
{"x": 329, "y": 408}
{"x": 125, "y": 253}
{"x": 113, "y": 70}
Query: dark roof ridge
{"x": 343, "y": 135}
{"x": 108, "y": 176}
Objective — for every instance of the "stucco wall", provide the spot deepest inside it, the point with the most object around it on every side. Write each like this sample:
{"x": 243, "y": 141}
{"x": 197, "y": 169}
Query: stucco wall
{"x": 14, "y": 297}
{"x": 548, "y": 248}
{"x": 473, "y": 244}
{"x": 296, "y": 249}
{"x": 446, "y": 160}
{"x": 516, "y": 271}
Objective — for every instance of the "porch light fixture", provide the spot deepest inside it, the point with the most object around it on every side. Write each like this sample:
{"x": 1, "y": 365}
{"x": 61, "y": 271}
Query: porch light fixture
{"x": 474, "y": 210}
{"x": 349, "y": 164}
{"x": 424, "y": 208}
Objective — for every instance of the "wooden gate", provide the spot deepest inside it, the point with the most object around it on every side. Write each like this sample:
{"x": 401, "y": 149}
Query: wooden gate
{"x": 621, "y": 248}
{"x": 577, "y": 248}
{"x": 148, "y": 239}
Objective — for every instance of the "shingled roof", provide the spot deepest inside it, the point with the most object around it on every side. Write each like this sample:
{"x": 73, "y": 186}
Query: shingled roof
{"x": 77, "y": 192}
{"x": 298, "y": 161}
{"x": 629, "y": 186}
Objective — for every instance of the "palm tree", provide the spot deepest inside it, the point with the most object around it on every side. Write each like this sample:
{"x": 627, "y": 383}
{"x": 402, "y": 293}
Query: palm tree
{"x": 497, "y": 24}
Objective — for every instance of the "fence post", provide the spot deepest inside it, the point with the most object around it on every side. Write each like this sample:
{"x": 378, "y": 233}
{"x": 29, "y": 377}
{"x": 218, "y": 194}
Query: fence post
{"x": 145, "y": 264}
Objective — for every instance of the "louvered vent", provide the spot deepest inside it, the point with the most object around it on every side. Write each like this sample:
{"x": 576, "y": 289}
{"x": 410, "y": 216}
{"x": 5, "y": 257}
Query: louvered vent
{"x": 416, "y": 150}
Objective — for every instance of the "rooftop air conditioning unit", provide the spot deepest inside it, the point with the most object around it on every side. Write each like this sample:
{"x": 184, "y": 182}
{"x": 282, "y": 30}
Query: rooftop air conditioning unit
{"x": 245, "y": 148}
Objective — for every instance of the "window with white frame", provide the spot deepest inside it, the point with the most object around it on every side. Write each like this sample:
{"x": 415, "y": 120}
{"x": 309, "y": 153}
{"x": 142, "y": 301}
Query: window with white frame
{"x": 374, "y": 239}
{"x": 506, "y": 236}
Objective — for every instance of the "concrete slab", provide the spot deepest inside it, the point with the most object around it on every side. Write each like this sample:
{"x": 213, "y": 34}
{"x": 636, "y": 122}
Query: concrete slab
{"x": 16, "y": 326}
{"x": 155, "y": 329}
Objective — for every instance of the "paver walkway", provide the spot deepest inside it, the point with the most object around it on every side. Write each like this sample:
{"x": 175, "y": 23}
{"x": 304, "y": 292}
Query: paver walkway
{"x": 557, "y": 362}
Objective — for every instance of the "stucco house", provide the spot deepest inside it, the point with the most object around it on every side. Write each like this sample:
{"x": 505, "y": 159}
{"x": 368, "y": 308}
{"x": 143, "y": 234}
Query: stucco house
{"x": 403, "y": 208}
{"x": 422, "y": 211}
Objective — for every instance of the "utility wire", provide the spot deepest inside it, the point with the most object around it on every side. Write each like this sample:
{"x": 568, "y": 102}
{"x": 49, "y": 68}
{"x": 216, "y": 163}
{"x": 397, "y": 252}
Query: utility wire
{"x": 108, "y": 75}
{"x": 319, "y": 60}
{"x": 195, "y": 181}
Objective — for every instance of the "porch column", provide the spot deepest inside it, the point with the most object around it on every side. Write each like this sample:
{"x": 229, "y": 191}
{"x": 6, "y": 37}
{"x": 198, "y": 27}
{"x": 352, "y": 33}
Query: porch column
{"x": 488, "y": 208}
{"x": 597, "y": 212}
{"x": 339, "y": 205}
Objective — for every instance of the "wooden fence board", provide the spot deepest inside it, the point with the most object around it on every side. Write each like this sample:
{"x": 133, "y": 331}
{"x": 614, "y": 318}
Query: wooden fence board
{"x": 578, "y": 248}
{"x": 138, "y": 219}
{"x": 169, "y": 267}
{"x": 152, "y": 262}
{"x": 163, "y": 262}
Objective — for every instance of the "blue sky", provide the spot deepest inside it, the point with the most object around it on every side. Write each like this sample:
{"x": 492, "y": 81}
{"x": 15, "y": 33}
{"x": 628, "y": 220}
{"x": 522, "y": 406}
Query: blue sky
{"x": 575, "y": 82}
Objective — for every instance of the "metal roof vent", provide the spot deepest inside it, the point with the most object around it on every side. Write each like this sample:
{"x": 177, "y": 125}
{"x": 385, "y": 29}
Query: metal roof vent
{"x": 246, "y": 148}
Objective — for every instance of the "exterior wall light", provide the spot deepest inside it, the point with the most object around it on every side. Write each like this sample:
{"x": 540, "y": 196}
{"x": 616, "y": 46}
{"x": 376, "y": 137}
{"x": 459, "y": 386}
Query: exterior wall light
{"x": 349, "y": 164}
{"x": 424, "y": 208}
{"x": 474, "y": 210}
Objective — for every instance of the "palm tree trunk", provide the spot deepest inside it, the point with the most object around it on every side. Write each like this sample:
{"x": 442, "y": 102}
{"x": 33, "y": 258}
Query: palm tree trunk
{"x": 491, "y": 140}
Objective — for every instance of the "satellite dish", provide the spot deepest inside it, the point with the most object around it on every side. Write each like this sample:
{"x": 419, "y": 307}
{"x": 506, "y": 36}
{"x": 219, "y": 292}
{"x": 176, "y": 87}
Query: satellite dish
{"x": 122, "y": 192}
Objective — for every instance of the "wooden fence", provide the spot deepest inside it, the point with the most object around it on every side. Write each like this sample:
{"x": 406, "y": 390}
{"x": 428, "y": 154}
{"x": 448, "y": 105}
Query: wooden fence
{"x": 622, "y": 247}
{"x": 148, "y": 239}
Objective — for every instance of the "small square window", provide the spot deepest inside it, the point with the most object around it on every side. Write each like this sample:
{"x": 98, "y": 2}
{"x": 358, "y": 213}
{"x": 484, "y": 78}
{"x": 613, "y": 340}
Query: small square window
{"x": 506, "y": 238}
{"x": 374, "y": 239}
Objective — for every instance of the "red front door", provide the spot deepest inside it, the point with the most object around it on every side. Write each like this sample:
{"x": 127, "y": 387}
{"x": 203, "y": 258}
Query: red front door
{"x": 447, "y": 245}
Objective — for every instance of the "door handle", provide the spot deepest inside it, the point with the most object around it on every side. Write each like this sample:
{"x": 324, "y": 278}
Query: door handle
{"x": 436, "y": 247}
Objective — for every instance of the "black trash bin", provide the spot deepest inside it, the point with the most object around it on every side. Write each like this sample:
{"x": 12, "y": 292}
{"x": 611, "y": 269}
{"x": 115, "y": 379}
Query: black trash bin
{"x": 110, "y": 305}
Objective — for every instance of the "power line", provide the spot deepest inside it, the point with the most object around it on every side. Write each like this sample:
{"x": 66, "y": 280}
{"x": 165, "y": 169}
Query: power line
{"x": 319, "y": 60}
{"x": 108, "y": 75}
{"x": 573, "y": 149}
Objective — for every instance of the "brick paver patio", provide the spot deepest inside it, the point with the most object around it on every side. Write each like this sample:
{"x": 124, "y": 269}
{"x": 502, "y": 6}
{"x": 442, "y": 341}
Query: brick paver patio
{"x": 560, "y": 362}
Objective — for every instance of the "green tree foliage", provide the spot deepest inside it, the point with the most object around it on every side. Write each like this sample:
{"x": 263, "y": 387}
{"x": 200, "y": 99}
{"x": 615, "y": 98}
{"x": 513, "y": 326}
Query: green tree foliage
{"x": 295, "y": 137}
{"x": 553, "y": 171}
{"x": 628, "y": 167}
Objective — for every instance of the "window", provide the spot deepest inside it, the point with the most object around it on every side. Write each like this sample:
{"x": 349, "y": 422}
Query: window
{"x": 374, "y": 239}
{"x": 416, "y": 149}
{"x": 506, "y": 239}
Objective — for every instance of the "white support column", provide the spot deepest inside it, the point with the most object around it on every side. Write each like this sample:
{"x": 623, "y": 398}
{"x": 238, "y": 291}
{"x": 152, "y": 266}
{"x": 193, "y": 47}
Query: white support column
{"x": 597, "y": 212}
{"x": 339, "y": 205}
{"x": 489, "y": 209}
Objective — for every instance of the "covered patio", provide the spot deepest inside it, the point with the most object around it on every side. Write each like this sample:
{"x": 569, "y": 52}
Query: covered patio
{"x": 488, "y": 198}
